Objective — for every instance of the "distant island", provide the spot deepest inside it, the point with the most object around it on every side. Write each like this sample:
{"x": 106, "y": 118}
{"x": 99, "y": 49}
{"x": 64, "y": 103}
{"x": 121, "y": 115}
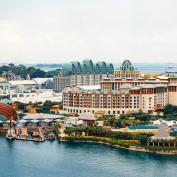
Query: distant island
{"x": 22, "y": 71}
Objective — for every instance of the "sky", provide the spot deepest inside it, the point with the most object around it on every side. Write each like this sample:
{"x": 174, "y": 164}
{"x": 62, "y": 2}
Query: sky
{"x": 58, "y": 31}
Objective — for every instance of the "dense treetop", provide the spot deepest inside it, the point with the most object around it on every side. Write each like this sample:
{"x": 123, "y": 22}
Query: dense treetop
{"x": 23, "y": 71}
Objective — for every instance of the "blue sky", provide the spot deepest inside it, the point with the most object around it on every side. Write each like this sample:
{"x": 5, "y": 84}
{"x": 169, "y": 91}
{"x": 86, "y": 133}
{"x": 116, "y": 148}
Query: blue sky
{"x": 57, "y": 31}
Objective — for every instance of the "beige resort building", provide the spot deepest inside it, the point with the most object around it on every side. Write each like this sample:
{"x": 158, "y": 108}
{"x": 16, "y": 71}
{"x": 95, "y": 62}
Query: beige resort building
{"x": 146, "y": 97}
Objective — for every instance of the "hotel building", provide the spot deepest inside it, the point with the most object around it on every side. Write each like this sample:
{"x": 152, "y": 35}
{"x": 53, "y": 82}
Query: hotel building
{"x": 128, "y": 99}
{"x": 80, "y": 74}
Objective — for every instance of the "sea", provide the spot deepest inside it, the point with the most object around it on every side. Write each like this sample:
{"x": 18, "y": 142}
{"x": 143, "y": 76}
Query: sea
{"x": 55, "y": 159}
{"x": 147, "y": 68}
{"x": 153, "y": 68}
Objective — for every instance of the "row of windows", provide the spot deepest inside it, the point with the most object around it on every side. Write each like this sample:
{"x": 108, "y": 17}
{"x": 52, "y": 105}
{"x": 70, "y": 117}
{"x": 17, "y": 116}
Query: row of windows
{"x": 93, "y": 111}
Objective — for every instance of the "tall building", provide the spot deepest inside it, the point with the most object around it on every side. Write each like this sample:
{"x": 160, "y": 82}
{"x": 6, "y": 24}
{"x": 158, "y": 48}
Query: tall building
{"x": 127, "y": 71}
{"x": 4, "y": 87}
{"x": 60, "y": 81}
{"x": 82, "y": 73}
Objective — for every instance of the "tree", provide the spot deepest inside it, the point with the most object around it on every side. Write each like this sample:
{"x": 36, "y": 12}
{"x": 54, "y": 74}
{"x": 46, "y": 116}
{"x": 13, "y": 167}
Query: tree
{"x": 169, "y": 109}
{"x": 170, "y": 112}
{"x": 47, "y": 105}
{"x": 143, "y": 139}
{"x": 11, "y": 65}
{"x": 23, "y": 71}
{"x": 110, "y": 121}
{"x": 142, "y": 116}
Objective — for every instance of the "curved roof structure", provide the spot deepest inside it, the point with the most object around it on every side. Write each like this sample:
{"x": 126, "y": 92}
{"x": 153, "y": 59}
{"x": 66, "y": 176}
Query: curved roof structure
{"x": 87, "y": 67}
{"x": 126, "y": 65}
{"x": 8, "y": 111}
{"x": 69, "y": 68}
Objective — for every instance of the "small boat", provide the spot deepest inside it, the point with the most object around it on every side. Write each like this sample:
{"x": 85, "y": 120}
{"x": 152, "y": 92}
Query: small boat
{"x": 51, "y": 137}
{"x": 10, "y": 135}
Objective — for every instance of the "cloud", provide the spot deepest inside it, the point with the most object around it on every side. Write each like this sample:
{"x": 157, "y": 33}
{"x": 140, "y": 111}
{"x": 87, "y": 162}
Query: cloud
{"x": 10, "y": 39}
{"x": 61, "y": 31}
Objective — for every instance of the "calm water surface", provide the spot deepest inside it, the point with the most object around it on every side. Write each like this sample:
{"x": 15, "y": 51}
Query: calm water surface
{"x": 53, "y": 159}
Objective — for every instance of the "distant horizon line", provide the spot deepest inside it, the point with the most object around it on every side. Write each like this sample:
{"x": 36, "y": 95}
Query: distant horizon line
{"x": 17, "y": 63}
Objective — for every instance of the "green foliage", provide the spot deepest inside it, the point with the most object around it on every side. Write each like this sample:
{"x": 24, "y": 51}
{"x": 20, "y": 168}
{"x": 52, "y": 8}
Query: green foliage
{"x": 98, "y": 139}
{"x": 169, "y": 109}
{"x": 74, "y": 130}
{"x": 124, "y": 120}
{"x": 143, "y": 139}
{"x": 105, "y": 117}
{"x": 125, "y": 123}
{"x": 142, "y": 116}
{"x": 48, "y": 104}
{"x": 23, "y": 71}
{"x": 123, "y": 117}
{"x": 110, "y": 121}
{"x": 56, "y": 129}
{"x": 99, "y": 132}
{"x": 170, "y": 112}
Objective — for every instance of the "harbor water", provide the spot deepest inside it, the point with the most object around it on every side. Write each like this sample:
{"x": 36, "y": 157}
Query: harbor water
{"x": 54, "y": 159}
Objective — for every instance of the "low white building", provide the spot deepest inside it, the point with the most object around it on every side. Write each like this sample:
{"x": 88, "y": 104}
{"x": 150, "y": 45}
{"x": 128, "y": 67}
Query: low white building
{"x": 20, "y": 85}
{"x": 168, "y": 124}
{"x": 72, "y": 122}
{"x": 36, "y": 83}
{"x": 40, "y": 95}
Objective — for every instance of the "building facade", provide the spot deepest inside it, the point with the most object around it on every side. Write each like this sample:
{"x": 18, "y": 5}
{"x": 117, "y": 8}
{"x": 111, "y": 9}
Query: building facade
{"x": 147, "y": 98}
{"x": 80, "y": 74}
{"x": 60, "y": 81}
{"x": 117, "y": 83}
{"x": 172, "y": 90}
{"x": 171, "y": 71}
{"x": 126, "y": 70}
{"x": 4, "y": 87}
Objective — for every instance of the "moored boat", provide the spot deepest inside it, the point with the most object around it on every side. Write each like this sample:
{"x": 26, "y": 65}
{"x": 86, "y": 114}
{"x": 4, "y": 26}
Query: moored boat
{"x": 10, "y": 132}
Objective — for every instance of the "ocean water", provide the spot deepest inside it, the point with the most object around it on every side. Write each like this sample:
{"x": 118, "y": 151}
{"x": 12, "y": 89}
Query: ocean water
{"x": 54, "y": 159}
{"x": 156, "y": 68}
{"x": 147, "y": 68}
